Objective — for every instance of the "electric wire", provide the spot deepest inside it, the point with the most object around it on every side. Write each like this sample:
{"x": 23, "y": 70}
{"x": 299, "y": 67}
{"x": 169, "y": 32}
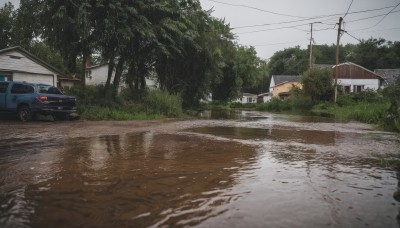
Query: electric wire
{"x": 329, "y": 17}
{"x": 255, "y": 8}
{"x": 351, "y": 3}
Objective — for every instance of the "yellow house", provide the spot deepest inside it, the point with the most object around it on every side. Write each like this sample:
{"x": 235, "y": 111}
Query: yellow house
{"x": 283, "y": 89}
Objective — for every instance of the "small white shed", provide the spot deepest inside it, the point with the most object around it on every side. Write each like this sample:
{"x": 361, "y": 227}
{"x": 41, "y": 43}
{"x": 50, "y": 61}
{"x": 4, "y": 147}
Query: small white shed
{"x": 17, "y": 64}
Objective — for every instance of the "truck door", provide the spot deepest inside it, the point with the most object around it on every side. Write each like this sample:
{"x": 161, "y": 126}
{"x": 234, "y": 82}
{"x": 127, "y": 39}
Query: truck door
{"x": 3, "y": 92}
{"x": 19, "y": 93}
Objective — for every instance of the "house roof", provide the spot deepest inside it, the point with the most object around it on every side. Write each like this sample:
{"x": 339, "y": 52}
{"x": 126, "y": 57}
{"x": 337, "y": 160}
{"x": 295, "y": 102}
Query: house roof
{"x": 389, "y": 75}
{"x": 33, "y": 58}
{"x": 323, "y": 65}
{"x": 263, "y": 94}
{"x": 249, "y": 95}
{"x": 96, "y": 66}
{"x": 349, "y": 70}
{"x": 279, "y": 79}
{"x": 285, "y": 83}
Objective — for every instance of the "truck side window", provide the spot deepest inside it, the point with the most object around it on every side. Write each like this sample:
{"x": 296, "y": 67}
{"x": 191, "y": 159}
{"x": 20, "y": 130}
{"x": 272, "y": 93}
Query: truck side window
{"x": 3, "y": 87}
{"x": 21, "y": 89}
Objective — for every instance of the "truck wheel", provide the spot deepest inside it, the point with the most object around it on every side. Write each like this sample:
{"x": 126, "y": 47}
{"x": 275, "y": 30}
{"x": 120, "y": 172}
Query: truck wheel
{"x": 24, "y": 113}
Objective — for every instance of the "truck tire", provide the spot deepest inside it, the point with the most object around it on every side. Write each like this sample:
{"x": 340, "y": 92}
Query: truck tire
{"x": 24, "y": 113}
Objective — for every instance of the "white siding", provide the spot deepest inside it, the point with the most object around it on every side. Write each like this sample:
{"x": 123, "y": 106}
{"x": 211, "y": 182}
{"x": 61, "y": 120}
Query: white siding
{"x": 367, "y": 83}
{"x": 21, "y": 64}
{"x": 271, "y": 85}
{"x": 34, "y": 78}
{"x": 98, "y": 75}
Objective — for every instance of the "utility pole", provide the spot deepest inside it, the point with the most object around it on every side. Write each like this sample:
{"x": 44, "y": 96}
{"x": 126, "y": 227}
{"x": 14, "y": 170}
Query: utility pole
{"x": 337, "y": 59}
{"x": 311, "y": 39}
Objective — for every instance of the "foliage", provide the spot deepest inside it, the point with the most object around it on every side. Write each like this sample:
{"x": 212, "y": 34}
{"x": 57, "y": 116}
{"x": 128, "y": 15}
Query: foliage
{"x": 317, "y": 84}
{"x": 153, "y": 103}
{"x": 161, "y": 102}
{"x": 290, "y": 61}
{"x": 6, "y": 25}
{"x": 294, "y": 104}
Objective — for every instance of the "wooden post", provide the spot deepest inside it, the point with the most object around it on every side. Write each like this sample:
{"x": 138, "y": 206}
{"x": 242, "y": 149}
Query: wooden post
{"x": 337, "y": 59}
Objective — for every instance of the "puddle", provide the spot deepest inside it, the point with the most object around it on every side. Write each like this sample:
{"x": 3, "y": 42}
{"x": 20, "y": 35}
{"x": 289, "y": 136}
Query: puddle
{"x": 258, "y": 170}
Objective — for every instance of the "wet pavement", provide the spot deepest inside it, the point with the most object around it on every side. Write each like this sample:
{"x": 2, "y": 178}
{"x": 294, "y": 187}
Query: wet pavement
{"x": 240, "y": 169}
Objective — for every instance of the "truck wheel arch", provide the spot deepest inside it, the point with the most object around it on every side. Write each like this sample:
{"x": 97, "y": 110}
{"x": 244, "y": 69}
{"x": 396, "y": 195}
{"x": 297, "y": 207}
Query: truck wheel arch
{"x": 24, "y": 112}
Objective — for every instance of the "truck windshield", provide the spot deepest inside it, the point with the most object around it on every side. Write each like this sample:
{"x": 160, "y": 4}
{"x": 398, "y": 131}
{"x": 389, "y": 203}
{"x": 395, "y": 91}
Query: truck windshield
{"x": 48, "y": 89}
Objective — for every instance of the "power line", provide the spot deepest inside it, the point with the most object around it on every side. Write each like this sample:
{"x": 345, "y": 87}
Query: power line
{"x": 329, "y": 17}
{"x": 272, "y": 44}
{"x": 351, "y": 3}
{"x": 366, "y": 18}
{"x": 352, "y": 36}
{"x": 255, "y": 8}
{"x": 396, "y": 28}
{"x": 386, "y": 15}
{"x": 263, "y": 30}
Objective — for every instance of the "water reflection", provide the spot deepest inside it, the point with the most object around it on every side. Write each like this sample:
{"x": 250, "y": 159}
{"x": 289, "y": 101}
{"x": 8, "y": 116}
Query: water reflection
{"x": 136, "y": 180}
{"x": 281, "y": 135}
{"x": 257, "y": 173}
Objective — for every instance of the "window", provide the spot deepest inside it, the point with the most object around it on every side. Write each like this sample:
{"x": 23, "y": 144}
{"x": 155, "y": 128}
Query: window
{"x": 358, "y": 88}
{"x": 22, "y": 89}
{"x": 89, "y": 74}
{"x": 249, "y": 100}
{"x": 48, "y": 89}
{"x": 3, "y": 87}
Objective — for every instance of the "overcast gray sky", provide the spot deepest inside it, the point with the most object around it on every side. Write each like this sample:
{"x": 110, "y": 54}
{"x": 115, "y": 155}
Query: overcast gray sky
{"x": 290, "y": 24}
{"x": 289, "y": 21}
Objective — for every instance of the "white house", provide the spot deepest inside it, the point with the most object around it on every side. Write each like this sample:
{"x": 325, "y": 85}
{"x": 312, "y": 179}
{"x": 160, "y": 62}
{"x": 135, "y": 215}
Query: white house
{"x": 264, "y": 97}
{"x": 247, "y": 98}
{"x": 16, "y": 64}
{"x": 97, "y": 75}
{"x": 355, "y": 78}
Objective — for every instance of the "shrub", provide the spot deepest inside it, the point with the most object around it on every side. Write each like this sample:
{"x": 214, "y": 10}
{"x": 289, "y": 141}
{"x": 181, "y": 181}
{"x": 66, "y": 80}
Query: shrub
{"x": 291, "y": 104}
{"x": 161, "y": 102}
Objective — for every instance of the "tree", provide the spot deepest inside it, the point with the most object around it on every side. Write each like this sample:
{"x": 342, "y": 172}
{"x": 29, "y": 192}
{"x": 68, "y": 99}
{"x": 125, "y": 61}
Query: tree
{"x": 292, "y": 61}
{"x": 6, "y": 24}
{"x": 318, "y": 84}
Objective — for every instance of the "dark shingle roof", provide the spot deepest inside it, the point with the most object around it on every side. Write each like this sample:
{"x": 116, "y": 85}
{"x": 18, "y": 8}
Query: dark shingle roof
{"x": 278, "y": 79}
{"x": 389, "y": 75}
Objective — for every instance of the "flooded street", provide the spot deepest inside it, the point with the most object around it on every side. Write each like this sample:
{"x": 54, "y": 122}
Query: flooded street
{"x": 238, "y": 169}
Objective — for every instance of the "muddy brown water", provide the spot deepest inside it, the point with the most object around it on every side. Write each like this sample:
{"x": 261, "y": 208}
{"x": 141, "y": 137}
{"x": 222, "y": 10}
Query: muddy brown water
{"x": 246, "y": 169}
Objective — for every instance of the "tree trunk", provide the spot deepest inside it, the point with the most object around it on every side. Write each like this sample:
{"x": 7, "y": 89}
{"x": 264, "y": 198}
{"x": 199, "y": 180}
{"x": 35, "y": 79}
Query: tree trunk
{"x": 118, "y": 73}
{"x": 111, "y": 65}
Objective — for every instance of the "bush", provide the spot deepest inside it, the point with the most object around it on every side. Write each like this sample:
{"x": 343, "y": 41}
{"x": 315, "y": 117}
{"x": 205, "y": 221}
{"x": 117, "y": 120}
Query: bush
{"x": 291, "y": 104}
{"x": 161, "y": 102}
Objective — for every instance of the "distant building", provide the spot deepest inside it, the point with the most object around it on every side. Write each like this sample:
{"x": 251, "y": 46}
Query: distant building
{"x": 263, "y": 97}
{"x": 98, "y": 74}
{"x": 247, "y": 98}
{"x": 389, "y": 75}
{"x": 355, "y": 78}
{"x": 281, "y": 85}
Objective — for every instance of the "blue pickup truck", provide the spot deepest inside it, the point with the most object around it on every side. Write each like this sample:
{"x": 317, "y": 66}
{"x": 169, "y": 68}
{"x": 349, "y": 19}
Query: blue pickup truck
{"x": 28, "y": 99}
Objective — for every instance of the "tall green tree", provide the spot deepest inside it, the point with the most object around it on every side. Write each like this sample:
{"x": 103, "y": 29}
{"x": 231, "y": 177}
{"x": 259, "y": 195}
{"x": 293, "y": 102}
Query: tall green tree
{"x": 292, "y": 61}
{"x": 7, "y": 16}
{"x": 318, "y": 84}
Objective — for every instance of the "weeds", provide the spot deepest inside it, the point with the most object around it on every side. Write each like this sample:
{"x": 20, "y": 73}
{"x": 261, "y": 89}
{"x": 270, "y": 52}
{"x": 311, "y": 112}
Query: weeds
{"x": 94, "y": 104}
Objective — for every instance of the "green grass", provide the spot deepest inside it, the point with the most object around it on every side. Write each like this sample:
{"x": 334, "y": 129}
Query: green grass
{"x": 94, "y": 104}
{"x": 106, "y": 113}
{"x": 292, "y": 105}
{"x": 373, "y": 113}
